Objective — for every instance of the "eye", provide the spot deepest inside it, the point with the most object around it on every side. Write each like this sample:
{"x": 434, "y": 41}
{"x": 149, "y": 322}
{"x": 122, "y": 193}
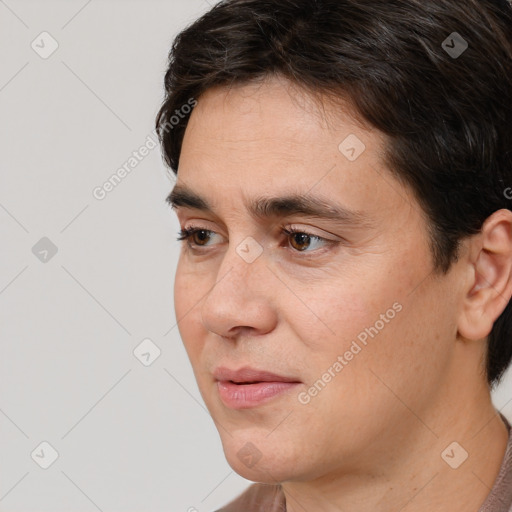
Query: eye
{"x": 299, "y": 239}
{"x": 191, "y": 232}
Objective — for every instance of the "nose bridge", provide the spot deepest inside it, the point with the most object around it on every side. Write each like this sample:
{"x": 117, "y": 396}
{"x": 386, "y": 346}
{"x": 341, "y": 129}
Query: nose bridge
{"x": 242, "y": 268}
{"x": 238, "y": 297}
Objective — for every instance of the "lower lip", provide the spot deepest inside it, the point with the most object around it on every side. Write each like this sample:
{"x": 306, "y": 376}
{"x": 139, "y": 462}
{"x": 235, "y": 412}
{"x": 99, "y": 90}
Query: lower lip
{"x": 243, "y": 396}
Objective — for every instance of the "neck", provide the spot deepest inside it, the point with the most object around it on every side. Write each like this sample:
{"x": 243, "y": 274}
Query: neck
{"x": 418, "y": 478}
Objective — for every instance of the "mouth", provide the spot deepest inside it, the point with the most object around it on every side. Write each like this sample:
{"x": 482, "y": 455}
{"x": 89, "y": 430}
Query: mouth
{"x": 248, "y": 387}
{"x": 244, "y": 383}
{"x": 247, "y": 375}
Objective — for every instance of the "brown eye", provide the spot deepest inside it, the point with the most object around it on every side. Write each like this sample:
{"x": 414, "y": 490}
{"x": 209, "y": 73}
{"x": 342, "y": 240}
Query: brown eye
{"x": 195, "y": 236}
{"x": 300, "y": 241}
{"x": 200, "y": 236}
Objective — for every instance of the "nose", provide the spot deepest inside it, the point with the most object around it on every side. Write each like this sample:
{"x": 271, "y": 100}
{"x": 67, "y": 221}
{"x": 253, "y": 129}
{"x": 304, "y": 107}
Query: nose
{"x": 241, "y": 299}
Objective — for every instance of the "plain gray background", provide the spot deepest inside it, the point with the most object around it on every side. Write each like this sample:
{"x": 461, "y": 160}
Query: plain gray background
{"x": 131, "y": 433}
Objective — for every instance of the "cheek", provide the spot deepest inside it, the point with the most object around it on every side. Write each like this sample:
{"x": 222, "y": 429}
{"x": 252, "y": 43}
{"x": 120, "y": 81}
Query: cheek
{"x": 189, "y": 290}
{"x": 333, "y": 311}
{"x": 405, "y": 362}
{"x": 372, "y": 316}
{"x": 191, "y": 284}
{"x": 183, "y": 292}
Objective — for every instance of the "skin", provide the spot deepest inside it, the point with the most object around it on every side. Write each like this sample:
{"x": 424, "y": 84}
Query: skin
{"x": 372, "y": 439}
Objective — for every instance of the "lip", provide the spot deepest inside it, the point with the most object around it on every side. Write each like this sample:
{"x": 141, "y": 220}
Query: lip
{"x": 248, "y": 374}
{"x": 248, "y": 387}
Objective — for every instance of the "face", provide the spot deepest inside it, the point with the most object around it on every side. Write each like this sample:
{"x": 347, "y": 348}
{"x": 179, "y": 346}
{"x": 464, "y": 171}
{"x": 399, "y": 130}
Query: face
{"x": 341, "y": 313}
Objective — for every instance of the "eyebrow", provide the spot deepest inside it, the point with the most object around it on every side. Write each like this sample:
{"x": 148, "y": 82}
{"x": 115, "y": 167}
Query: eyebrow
{"x": 271, "y": 207}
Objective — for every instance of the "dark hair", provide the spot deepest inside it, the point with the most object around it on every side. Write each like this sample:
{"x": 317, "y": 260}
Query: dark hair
{"x": 446, "y": 110}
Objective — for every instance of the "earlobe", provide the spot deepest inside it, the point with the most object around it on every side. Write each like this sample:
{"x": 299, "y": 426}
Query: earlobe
{"x": 489, "y": 286}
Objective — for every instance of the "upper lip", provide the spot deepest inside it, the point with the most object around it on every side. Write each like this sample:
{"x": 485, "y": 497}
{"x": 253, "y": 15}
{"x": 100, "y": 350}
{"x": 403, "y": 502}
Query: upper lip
{"x": 248, "y": 374}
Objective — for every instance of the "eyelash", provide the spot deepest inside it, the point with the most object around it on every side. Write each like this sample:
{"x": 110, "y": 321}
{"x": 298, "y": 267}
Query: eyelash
{"x": 186, "y": 234}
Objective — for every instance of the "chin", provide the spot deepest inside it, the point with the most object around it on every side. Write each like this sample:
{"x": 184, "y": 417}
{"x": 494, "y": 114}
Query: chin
{"x": 260, "y": 461}
{"x": 265, "y": 473}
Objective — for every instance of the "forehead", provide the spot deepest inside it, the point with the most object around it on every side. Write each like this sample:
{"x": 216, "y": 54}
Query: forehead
{"x": 267, "y": 139}
{"x": 275, "y": 112}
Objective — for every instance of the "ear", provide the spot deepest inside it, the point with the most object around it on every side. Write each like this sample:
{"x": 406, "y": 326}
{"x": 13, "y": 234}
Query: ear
{"x": 489, "y": 286}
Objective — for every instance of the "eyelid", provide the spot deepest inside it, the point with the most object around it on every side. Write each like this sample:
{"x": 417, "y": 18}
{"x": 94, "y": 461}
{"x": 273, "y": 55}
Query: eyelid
{"x": 311, "y": 231}
{"x": 288, "y": 231}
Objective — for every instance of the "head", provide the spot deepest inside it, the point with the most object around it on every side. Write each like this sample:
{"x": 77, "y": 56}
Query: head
{"x": 382, "y": 140}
